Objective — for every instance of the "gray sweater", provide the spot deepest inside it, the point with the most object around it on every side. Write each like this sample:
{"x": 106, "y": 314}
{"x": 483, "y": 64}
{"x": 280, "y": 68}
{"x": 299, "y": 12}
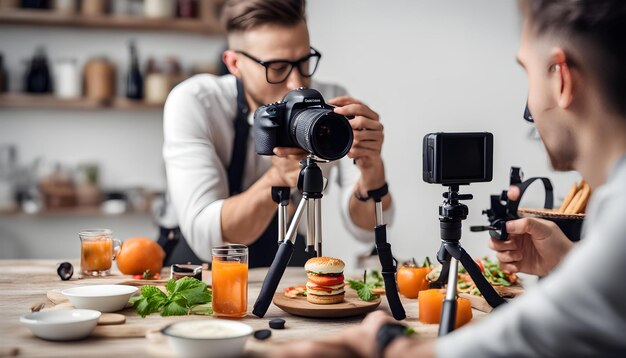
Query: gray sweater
{"x": 579, "y": 309}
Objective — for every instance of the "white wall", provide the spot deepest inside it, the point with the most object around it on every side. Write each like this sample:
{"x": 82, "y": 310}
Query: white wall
{"x": 423, "y": 65}
{"x": 428, "y": 66}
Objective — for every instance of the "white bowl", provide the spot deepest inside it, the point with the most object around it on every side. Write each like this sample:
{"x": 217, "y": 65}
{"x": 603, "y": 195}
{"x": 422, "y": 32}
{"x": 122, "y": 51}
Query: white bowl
{"x": 207, "y": 338}
{"x": 61, "y": 325}
{"x": 103, "y": 298}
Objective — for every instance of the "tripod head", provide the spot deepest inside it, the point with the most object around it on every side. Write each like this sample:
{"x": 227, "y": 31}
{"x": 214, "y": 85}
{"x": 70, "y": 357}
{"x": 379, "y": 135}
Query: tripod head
{"x": 503, "y": 209}
{"x": 311, "y": 180}
{"x": 451, "y": 213}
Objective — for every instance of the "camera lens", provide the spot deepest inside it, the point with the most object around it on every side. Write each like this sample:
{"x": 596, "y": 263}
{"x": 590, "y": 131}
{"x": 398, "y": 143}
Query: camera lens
{"x": 322, "y": 132}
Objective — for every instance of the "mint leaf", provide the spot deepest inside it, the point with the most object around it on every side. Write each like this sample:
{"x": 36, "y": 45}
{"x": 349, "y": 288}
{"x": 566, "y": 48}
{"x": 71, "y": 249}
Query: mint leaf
{"x": 182, "y": 296}
{"x": 356, "y": 285}
{"x": 174, "y": 309}
{"x": 196, "y": 295}
{"x": 169, "y": 286}
{"x": 363, "y": 290}
{"x": 204, "y": 309}
{"x": 151, "y": 291}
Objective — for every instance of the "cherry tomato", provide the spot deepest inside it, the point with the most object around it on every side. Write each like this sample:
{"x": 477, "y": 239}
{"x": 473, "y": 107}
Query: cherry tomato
{"x": 480, "y": 265}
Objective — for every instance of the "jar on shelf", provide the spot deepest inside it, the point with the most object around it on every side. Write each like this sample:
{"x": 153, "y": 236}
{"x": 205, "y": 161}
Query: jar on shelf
{"x": 187, "y": 9}
{"x": 100, "y": 79}
{"x": 157, "y": 84}
{"x": 159, "y": 8}
{"x": 94, "y": 7}
{"x": 67, "y": 81}
{"x": 65, "y": 6}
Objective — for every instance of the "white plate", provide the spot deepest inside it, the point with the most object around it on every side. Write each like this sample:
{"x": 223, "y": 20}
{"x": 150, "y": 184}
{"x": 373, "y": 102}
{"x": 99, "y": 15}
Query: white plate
{"x": 61, "y": 325}
{"x": 103, "y": 298}
{"x": 187, "y": 339}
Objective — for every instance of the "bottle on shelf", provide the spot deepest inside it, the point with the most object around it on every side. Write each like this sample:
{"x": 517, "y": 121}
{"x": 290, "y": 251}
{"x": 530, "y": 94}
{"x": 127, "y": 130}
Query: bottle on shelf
{"x": 134, "y": 80}
{"x": 4, "y": 76}
{"x": 37, "y": 78}
{"x": 157, "y": 83}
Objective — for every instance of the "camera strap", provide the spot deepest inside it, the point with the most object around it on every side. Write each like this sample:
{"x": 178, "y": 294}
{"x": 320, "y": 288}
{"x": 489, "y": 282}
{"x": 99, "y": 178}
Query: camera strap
{"x": 240, "y": 145}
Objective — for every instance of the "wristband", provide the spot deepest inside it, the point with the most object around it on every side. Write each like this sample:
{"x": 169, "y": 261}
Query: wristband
{"x": 375, "y": 194}
{"x": 387, "y": 333}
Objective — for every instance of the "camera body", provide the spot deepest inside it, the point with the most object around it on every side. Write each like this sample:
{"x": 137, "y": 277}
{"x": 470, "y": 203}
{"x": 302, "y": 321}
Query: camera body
{"x": 457, "y": 158}
{"x": 302, "y": 120}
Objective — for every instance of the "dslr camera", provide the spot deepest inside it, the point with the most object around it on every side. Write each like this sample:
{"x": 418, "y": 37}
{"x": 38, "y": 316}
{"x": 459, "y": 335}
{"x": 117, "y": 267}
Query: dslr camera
{"x": 302, "y": 120}
{"x": 457, "y": 158}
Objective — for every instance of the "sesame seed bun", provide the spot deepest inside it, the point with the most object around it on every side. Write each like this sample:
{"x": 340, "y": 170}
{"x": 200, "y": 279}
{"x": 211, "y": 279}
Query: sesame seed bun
{"x": 324, "y": 265}
{"x": 325, "y": 300}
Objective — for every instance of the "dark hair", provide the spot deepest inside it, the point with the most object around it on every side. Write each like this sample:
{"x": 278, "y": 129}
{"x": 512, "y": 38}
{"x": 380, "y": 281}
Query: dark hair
{"x": 594, "y": 30}
{"x": 242, "y": 15}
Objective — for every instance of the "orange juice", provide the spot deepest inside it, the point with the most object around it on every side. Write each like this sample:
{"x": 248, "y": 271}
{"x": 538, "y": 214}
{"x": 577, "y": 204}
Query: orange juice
{"x": 96, "y": 255}
{"x": 230, "y": 288}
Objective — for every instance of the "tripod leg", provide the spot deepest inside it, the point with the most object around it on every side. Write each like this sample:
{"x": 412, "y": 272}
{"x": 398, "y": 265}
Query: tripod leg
{"x": 489, "y": 293}
{"x": 311, "y": 226}
{"x": 444, "y": 259}
{"x": 318, "y": 225}
{"x": 277, "y": 269}
{"x": 448, "y": 310}
{"x": 388, "y": 272}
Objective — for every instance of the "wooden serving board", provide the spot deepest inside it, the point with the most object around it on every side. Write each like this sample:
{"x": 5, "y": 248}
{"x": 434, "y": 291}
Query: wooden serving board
{"x": 351, "y": 306}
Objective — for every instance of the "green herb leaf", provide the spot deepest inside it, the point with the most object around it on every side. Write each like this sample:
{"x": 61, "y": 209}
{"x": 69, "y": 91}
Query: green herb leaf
{"x": 204, "y": 309}
{"x": 174, "y": 309}
{"x": 363, "y": 290}
{"x": 182, "y": 296}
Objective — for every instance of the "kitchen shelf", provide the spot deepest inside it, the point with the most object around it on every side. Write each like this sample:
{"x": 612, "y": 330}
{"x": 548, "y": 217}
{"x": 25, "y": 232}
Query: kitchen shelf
{"x": 71, "y": 211}
{"x": 46, "y": 101}
{"x": 52, "y": 18}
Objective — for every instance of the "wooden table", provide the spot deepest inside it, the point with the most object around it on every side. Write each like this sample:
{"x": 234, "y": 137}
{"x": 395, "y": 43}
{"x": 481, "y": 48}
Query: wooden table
{"x": 26, "y": 282}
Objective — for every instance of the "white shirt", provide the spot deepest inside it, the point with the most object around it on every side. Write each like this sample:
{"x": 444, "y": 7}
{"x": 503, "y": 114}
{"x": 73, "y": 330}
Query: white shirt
{"x": 579, "y": 310}
{"x": 198, "y": 127}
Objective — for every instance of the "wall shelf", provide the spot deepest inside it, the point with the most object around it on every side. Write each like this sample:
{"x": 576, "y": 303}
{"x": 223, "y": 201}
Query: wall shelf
{"x": 52, "y": 18}
{"x": 46, "y": 101}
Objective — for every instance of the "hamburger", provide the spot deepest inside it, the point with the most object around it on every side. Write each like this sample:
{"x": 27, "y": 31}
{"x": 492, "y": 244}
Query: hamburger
{"x": 325, "y": 284}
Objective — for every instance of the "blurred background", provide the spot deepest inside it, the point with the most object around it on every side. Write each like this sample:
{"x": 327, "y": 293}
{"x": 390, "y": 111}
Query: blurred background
{"x": 82, "y": 84}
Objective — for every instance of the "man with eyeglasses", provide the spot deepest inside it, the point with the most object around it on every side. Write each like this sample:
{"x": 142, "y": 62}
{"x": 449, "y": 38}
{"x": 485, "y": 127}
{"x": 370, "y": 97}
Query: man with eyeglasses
{"x": 219, "y": 187}
{"x": 574, "y": 54}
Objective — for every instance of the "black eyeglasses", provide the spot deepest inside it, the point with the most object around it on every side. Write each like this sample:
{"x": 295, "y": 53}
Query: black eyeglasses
{"x": 277, "y": 71}
{"x": 527, "y": 115}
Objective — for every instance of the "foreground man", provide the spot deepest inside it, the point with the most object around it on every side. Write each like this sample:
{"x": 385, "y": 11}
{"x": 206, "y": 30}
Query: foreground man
{"x": 574, "y": 52}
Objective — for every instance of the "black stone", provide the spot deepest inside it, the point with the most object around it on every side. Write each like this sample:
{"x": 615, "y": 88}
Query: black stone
{"x": 65, "y": 271}
{"x": 277, "y": 323}
{"x": 262, "y": 334}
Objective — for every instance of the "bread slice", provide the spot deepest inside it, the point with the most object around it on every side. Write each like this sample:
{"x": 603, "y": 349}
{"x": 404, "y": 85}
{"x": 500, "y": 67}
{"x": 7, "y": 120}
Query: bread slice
{"x": 325, "y": 300}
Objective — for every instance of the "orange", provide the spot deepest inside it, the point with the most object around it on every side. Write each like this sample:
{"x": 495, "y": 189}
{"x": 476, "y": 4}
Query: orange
{"x": 138, "y": 255}
{"x": 411, "y": 280}
{"x": 430, "y": 304}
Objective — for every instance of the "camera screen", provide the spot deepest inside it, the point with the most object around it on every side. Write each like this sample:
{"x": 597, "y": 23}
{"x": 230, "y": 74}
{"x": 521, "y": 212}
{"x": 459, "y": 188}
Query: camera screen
{"x": 463, "y": 157}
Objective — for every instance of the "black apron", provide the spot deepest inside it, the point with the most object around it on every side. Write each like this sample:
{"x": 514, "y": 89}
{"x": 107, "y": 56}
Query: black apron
{"x": 260, "y": 253}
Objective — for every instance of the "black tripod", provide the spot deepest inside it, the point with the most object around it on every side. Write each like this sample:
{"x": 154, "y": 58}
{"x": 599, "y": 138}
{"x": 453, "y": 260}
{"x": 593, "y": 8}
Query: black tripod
{"x": 311, "y": 185}
{"x": 451, "y": 215}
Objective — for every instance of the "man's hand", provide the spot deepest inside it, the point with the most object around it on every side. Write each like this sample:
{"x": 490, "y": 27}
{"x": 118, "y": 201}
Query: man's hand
{"x": 359, "y": 341}
{"x": 535, "y": 246}
{"x": 286, "y": 165}
{"x": 368, "y": 141}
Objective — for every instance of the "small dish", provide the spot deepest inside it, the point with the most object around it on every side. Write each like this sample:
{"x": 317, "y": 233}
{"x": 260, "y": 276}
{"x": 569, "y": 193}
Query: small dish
{"x": 62, "y": 325}
{"x": 207, "y": 338}
{"x": 103, "y": 298}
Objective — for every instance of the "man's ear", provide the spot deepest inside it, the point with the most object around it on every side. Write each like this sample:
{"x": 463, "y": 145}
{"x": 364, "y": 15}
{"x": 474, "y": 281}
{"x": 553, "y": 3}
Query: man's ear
{"x": 230, "y": 59}
{"x": 562, "y": 76}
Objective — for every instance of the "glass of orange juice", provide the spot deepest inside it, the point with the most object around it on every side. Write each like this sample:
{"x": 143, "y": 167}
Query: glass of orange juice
{"x": 230, "y": 280}
{"x": 97, "y": 251}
